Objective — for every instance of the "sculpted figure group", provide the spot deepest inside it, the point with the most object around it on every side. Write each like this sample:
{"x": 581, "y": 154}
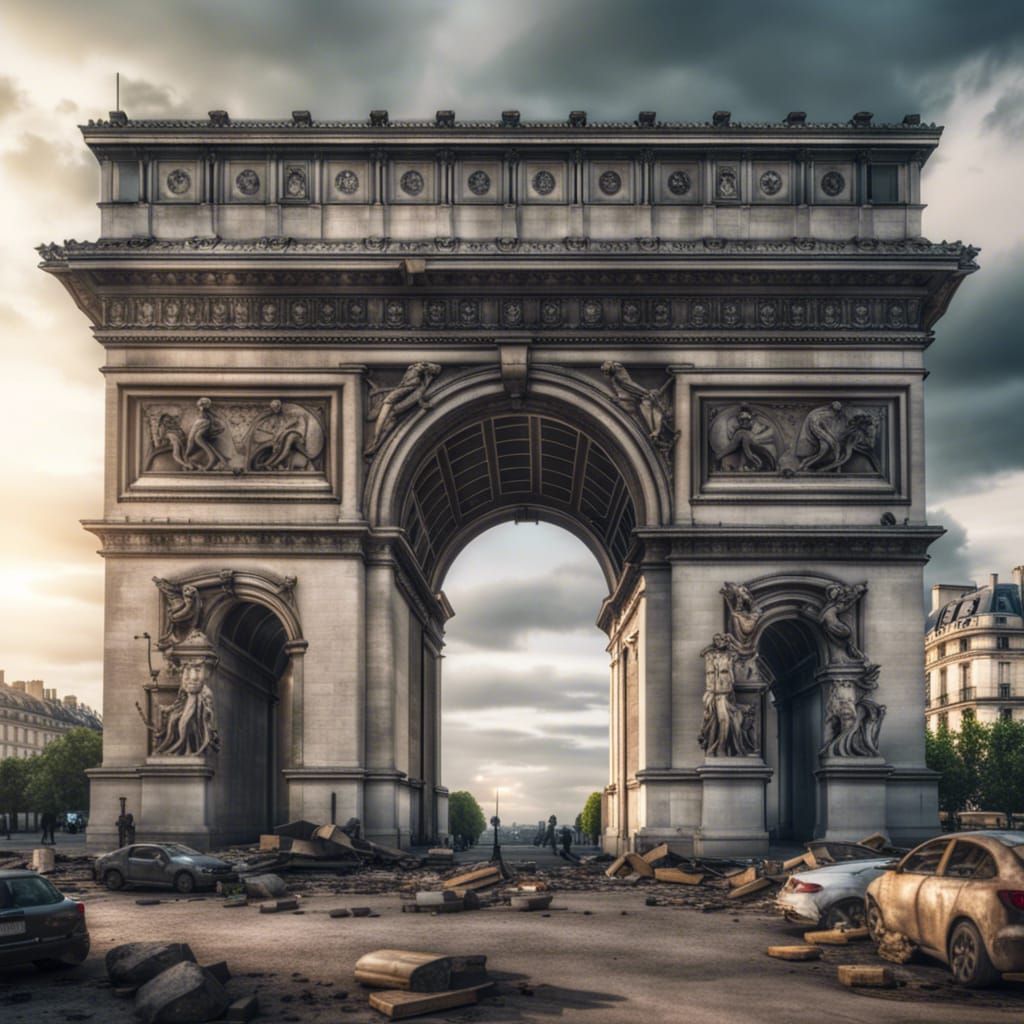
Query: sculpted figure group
{"x": 649, "y": 405}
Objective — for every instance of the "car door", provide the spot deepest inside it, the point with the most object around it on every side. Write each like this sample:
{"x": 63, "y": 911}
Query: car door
{"x": 938, "y": 897}
{"x": 899, "y": 902}
{"x": 145, "y": 866}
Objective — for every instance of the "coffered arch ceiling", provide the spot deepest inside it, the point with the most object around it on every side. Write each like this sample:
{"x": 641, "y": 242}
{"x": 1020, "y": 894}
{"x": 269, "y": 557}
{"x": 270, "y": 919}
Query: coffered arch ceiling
{"x": 518, "y": 464}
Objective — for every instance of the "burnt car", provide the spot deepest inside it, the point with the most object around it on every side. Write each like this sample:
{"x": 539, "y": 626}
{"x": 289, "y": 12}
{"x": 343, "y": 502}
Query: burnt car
{"x": 169, "y": 865}
{"x": 960, "y": 899}
{"x": 38, "y": 923}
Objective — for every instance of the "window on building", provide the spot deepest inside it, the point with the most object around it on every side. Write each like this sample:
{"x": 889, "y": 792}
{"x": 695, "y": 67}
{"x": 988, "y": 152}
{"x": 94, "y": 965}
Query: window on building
{"x": 943, "y": 678}
{"x": 1000, "y": 620}
{"x": 944, "y": 719}
{"x": 965, "y": 643}
{"x": 965, "y": 674}
{"x": 883, "y": 183}
{"x": 1002, "y": 643}
{"x": 942, "y": 650}
{"x": 1006, "y": 714}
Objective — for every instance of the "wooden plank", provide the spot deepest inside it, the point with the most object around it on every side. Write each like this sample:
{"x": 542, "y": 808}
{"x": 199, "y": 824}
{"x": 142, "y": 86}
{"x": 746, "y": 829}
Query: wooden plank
{"x": 876, "y": 840}
{"x": 751, "y": 887}
{"x": 794, "y": 952}
{"x": 465, "y": 881}
{"x": 865, "y": 976}
{"x": 399, "y": 1005}
{"x": 794, "y": 862}
{"x": 743, "y": 877}
{"x": 404, "y": 969}
{"x": 616, "y": 867}
{"x": 639, "y": 865}
{"x": 658, "y": 853}
{"x": 677, "y": 877}
{"x": 830, "y": 938}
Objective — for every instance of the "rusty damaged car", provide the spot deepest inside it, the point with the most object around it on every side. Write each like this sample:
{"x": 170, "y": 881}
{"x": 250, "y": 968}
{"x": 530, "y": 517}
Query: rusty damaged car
{"x": 960, "y": 899}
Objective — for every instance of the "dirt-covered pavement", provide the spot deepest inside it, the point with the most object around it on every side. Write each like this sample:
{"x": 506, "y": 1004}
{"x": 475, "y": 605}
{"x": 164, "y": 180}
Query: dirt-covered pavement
{"x": 602, "y": 954}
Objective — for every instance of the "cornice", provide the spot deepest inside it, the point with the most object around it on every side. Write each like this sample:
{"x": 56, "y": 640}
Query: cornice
{"x": 373, "y": 246}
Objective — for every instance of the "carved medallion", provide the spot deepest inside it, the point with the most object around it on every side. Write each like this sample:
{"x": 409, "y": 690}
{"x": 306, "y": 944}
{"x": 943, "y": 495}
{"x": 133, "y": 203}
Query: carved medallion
{"x": 700, "y": 314}
{"x": 661, "y": 312}
{"x": 550, "y": 312}
{"x": 247, "y": 182}
{"x": 411, "y": 183}
{"x": 610, "y": 183}
{"x": 179, "y": 181}
{"x": 543, "y": 183}
{"x": 679, "y": 183}
{"x": 731, "y": 313}
{"x": 435, "y": 312}
{"x": 394, "y": 313}
{"x": 770, "y": 182}
{"x": 347, "y": 182}
{"x": 591, "y": 311}
{"x": 631, "y": 312}
{"x": 767, "y": 314}
{"x": 479, "y": 183}
{"x": 469, "y": 312}
{"x": 726, "y": 187}
{"x": 832, "y": 183}
{"x": 861, "y": 314}
{"x": 295, "y": 184}
{"x": 512, "y": 312}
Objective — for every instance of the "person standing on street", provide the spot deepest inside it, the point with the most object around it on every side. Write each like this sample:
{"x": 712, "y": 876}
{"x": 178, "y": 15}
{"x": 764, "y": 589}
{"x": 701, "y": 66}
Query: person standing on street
{"x": 49, "y": 821}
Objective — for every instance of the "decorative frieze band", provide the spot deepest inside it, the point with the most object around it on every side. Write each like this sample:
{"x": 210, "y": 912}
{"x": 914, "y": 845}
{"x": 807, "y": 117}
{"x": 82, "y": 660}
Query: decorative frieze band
{"x": 432, "y": 313}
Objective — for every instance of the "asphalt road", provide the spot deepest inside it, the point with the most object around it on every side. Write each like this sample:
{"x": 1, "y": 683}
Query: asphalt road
{"x": 604, "y": 958}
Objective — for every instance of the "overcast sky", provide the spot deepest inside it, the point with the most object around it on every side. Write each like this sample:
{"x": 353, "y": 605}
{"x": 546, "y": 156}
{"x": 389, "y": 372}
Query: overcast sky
{"x": 959, "y": 64}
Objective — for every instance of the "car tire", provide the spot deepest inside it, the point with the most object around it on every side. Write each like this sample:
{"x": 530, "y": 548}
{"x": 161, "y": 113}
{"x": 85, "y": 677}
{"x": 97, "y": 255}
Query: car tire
{"x": 845, "y": 914}
{"x": 874, "y": 921}
{"x": 184, "y": 882}
{"x": 113, "y": 880}
{"x": 969, "y": 962}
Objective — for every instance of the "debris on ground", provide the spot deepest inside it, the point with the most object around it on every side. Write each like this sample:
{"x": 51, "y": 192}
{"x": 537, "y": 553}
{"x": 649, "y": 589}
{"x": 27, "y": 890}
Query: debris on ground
{"x": 480, "y": 878}
{"x": 794, "y": 952}
{"x": 864, "y": 976}
{"x": 419, "y": 983}
{"x": 896, "y": 948}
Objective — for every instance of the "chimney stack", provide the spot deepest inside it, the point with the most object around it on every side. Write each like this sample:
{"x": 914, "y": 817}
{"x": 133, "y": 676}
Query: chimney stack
{"x": 993, "y": 580}
{"x": 2, "y": 683}
{"x": 19, "y": 685}
{"x": 71, "y": 701}
{"x": 943, "y": 593}
{"x": 34, "y": 688}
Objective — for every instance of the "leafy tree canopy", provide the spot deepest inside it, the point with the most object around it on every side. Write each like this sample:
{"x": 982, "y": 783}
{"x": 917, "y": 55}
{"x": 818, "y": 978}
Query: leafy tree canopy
{"x": 465, "y": 817}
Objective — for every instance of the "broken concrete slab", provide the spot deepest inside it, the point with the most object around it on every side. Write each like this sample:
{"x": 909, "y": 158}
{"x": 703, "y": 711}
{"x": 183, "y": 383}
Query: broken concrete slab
{"x": 436, "y": 898}
{"x": 828, "y": 938}
{"x": 639, "y": 865}
{"x": 278, "y": 906}
{"x": 896, "y": 948}
{"x": 243, "y": 1009}
{"x": 657, "y": 855}
{"x": 676, "y": 877}
{"x": 134, "y": 963}
{"x": 44, "y": 860}
{"x": 404, "y": 969}
{"x": 749, "y": 889}
{"x": 618, "y": 867}
{"x": 264, "y": 887}
{"x": 362, "y": 912}
{"x": 300, "y": 829}
{"x": 795, "y": 862}
{"x": 877, "y": 841}
{"x": 794, "y": 952}
{"x": 183, "y": 994}
{"x": 219, "y": 970}
{"x": 399, "y": 1005}
{"x": 864, "y": 976}
{"x": 745, "y": 877}
{"x": 480, "y": 878}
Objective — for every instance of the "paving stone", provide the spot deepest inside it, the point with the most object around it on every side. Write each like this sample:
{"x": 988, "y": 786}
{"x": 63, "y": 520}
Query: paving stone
{"x": 244, "y": 1009}
{"x": 134, "y": 963}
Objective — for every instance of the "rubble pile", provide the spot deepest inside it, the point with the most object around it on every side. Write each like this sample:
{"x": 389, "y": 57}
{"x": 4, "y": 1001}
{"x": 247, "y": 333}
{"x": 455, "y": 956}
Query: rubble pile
{"x": 169, "y": 987}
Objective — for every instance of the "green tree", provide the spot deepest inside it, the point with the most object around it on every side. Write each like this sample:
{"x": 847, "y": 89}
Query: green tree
{"x": 465, "y": 817}
{"x": 14, "y": 779}
{"x": 1002, "y": 775}
{"x": 58, "y": 782}
{"x": 590, "y": 818}
{"x": 942, "y": 756}
{"x": 972, "y": 743}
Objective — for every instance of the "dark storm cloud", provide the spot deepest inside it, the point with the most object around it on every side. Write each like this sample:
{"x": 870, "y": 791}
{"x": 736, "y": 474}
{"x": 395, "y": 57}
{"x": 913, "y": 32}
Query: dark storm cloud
{"x": 503, "y": 617}
{"x": 975, "y": 392}
{"x": 949, "y": 562}
{"x": 684, "y": 59}
{"x": 1007, "y": 116}
{"x": 474, "y": 688}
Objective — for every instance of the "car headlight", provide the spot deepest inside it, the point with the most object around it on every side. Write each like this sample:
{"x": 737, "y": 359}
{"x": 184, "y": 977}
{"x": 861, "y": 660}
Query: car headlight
{"x": 206, "y": 871}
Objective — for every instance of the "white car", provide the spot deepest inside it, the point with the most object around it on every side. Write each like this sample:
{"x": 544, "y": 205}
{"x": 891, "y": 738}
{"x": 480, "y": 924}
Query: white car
{"x": 832, "y": 896}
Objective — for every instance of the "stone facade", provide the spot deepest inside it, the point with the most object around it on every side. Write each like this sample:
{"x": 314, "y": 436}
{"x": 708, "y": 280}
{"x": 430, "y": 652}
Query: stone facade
{"x": 974, "y": 652}
{"x": 337, "y": 351}
{"x": 32, "y": 717}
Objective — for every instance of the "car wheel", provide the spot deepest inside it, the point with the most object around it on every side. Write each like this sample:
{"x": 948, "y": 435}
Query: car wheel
{"x": 968, "y": 958}
{"x": 184, "y": 882}
{"x": 845, "y": 914}
{"x": 874, "y": 922}
{"x": 113, "y": 880}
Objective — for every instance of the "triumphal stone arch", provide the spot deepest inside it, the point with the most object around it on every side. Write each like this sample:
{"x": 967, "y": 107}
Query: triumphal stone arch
{"x": 337, "y": 351}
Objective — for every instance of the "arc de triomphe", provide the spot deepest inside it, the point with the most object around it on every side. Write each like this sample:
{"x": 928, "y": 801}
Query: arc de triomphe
{"x": 336, "y": 351}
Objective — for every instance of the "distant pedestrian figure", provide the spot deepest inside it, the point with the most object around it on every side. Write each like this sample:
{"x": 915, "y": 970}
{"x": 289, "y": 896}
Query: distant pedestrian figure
{"x": 549, "y": 834}
{"x": 49, "y": 822}
{"x": 5, "y": 826}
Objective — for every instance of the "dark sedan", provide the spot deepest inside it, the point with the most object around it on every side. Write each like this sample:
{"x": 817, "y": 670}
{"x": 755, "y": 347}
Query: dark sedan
{"x": 170, "y": 865}
{"x": 38, "y": 923}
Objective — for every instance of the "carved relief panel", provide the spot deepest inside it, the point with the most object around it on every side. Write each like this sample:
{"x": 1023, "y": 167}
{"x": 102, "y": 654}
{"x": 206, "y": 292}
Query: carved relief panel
{"x": 181, "y": 442}
{"x": 776, "y": 443}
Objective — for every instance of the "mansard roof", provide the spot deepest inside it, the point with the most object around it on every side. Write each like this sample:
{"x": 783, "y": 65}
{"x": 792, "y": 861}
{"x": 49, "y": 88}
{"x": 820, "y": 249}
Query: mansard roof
{"x": 1002, "y": 599}
{"x": 16, "y": 700}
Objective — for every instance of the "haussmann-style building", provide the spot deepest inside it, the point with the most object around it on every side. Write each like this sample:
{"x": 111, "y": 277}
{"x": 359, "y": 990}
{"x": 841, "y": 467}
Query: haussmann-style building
{"x": 974, "y": 652}
{"x": 336, "y": 351}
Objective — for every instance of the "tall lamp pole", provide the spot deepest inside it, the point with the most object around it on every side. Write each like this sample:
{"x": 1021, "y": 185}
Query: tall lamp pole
{"x": 496, "y": 857}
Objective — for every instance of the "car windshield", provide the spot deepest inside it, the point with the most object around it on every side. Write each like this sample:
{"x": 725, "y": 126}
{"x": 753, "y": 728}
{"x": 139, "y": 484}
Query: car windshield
{"x": 1011, "y": 839}
{"x": 180, "y": 849}
{"x": 27, "y": 892}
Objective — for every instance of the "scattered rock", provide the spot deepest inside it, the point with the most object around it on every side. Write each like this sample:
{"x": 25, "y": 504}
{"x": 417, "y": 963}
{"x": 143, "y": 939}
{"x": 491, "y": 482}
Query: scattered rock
{"x": 865, "y": 976}
{"x": 896, "y": 948}
{"x": 244, "y": 1009}
{"x": 182, "y": 994}
{"x": 276, "y": 906}
{"x": 265, "y": 887}
{"x": 220, "y": 971}
{"x": 794, "y": 952}
{"x": 135, "y": 963}
{"x": 339, "y": 912}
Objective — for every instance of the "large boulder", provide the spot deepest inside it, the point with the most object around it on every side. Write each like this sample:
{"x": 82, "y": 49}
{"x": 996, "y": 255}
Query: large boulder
{"x": 183, "y": 994}
{"x": 264, "y": 887}
{"x": 135, "y": 963}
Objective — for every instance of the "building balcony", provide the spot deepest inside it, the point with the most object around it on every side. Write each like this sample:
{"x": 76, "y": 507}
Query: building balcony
{"x": 968, "y": 693}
